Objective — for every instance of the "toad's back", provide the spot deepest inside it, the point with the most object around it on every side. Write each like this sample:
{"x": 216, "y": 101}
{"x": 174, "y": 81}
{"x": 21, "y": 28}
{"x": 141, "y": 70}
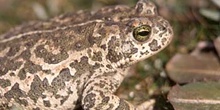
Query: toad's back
{"x": 78, "y": 58}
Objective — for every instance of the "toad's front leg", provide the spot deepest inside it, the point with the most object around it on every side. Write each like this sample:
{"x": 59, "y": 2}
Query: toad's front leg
{"x": 98, "y": 95}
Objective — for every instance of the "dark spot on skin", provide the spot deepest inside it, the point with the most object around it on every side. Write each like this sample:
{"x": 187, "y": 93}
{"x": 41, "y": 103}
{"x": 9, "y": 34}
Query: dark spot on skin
{"x": 47, "y": 72}
{"x": 123, "y": 105}
{"x": 12, "y": 74}
{"x": 43, "y": 96}
{"x": 145, "y": 53}
{"x": 47, "y": 103}
{"x": 89, "y": 101}
{"x": 113, "y": 43}
{"x": 22, "y": 74}
{"x": 37, "y": 108}
{"x": 94, "y": 40}
{"x": 97, "y": 56}
{"x": 105, "y": 100}
{"x": 7, "y": 64}
{"x": 69, "y": 91}
{"x": 5, "y": 83}
{"x": 37, "y": 89}
{"x": 65, "y": 74}
{"x": 113, "y": 85}
{"x": 64, "y": 98}
{"x": 48, "y": 57}
{"x": 23, "y": 102}
{"x": 162, "y": 29}
{"x": 124, "y": 65}
{"x": 32, "y": 68}
{"x": 17, "y": 94}
{"x": 57, "y": 96}
{"x": 55, "y": 106}
{"x": 45, "y": 84}
{"x": 29, "y": 67}
{"x": 89, "y": 51}
{"x": 164, "y": 41}
{"x": 154, "y": 45}
{"x": 59, "y": 81}
{"x": 103, "y": 47}
{"x": 82, "y": 66}
{"x": 29, "y": 44}
{"x": 132, "y": 52}
{"x": 109, "y": 66}
{"x": 13, "y": 50}
{"x": 101, "y": 84}
{"x": 26, "y": 54}
{"x": 96, "y": 66}
{"x": 113, "y": 56}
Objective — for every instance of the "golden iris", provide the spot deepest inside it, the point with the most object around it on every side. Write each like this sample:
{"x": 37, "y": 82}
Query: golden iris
{"x": 142, "y": 33}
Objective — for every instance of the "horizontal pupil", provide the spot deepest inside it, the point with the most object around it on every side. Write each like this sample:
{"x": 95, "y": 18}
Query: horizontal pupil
{"x": 143, "y": 33}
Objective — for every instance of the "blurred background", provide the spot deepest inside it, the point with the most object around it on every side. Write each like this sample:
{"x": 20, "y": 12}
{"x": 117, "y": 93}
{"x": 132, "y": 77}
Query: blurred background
{"x": 196, "y": 25}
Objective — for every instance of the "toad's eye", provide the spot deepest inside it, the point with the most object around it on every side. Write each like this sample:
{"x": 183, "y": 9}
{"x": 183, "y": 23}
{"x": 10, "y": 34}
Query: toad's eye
{"x": 142, "y": 33}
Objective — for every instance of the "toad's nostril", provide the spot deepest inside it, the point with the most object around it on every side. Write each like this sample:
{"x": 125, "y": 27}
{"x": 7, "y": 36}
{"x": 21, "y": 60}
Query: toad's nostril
{"x": 163, "y": 28}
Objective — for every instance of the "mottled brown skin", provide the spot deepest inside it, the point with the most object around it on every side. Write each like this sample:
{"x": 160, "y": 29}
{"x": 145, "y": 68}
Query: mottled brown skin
{"x": 77, "y": 59}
